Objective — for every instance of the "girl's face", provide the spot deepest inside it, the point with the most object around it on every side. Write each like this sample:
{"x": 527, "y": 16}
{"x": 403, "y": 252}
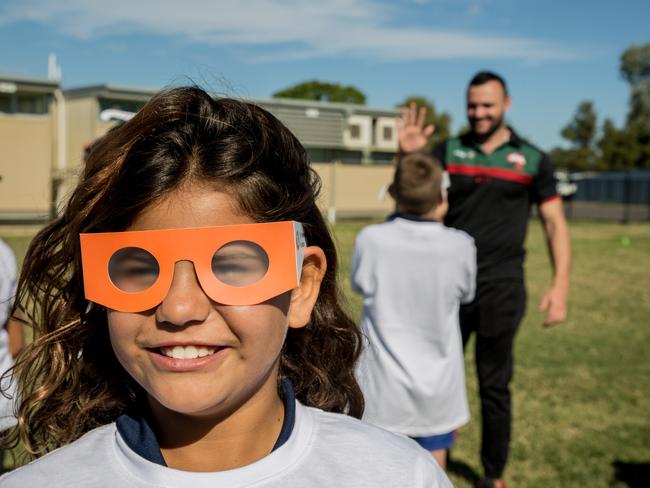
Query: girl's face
{"x": 242, "y": 343}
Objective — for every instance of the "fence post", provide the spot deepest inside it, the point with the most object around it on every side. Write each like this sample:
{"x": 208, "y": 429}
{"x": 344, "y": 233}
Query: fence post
{"x": 627, "y": 196}
{"x": 647, "y": 196}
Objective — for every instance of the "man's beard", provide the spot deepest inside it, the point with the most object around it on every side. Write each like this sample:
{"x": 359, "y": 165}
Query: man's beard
{"x": 493, "y": 128}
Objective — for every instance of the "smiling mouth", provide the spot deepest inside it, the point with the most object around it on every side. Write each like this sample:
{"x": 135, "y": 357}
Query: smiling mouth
{"x": 186, "y": 352}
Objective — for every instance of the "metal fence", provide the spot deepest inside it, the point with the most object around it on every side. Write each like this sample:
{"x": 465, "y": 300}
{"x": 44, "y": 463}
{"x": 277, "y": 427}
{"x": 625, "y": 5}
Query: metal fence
{"x": 620, "y": 195}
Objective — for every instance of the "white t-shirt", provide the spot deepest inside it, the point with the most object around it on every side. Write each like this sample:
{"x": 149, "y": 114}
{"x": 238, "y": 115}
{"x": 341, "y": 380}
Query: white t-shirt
{"x": 324, "y": 450}
{"x": 7, "y": 292}
{"x": 413, "y": 275}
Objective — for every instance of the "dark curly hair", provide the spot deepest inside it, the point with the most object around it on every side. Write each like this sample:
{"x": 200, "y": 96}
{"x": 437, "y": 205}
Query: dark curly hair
{"x": 69, "y": 378}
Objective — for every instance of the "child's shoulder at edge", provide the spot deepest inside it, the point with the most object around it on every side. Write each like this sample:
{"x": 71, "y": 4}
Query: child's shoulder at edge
{"x": 70, "y": 459}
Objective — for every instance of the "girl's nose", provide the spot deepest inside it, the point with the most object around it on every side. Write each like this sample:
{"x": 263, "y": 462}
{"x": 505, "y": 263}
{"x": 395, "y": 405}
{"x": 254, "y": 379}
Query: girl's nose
{"x": 185, "y": 302}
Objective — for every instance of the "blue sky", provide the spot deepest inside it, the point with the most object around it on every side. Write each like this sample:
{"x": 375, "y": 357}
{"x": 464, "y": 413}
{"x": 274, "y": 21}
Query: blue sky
{"x": 553, "y": 54}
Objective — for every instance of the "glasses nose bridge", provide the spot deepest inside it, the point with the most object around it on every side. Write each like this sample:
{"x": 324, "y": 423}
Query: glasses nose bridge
{"x": 195, "y": 270}
{"x": 194, "y": 251}
{"x": 193, "y": 262}
{"x": 185, "y": 301}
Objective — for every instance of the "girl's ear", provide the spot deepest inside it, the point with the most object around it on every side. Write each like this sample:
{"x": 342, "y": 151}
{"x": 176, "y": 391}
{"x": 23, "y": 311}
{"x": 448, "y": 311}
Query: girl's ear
{"x": 304, "y": 297}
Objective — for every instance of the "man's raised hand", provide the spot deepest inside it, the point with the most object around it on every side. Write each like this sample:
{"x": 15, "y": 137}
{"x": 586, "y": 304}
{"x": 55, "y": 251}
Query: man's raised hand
{"x": 412, "y": 133}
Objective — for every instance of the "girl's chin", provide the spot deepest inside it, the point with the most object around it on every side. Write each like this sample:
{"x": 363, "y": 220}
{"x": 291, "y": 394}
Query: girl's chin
{"x": 190, "y": 404}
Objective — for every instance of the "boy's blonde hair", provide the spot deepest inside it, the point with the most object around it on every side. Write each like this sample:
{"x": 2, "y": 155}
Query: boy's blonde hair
{"x": 417, "y": 184}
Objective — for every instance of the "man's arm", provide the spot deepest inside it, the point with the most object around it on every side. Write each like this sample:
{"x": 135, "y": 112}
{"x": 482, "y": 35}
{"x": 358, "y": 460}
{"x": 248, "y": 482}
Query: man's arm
{"x": 554, "y": 301}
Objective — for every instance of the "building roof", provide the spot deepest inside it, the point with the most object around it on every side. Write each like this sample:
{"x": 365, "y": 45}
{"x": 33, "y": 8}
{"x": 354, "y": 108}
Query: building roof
{"x": 143, "y": 94}
{"x": 315, "y": 123}
{"x": 12, "y": 83}
{"x": 348, "y": 108}
{"x": 111, "y": 91}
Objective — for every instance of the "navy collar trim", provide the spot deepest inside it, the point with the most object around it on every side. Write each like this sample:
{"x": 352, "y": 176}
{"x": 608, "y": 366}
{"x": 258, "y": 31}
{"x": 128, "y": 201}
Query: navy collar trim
{"x": 407, "y": 216}
{"x": 135, "y": 428}
{"x": 289, "y": 400}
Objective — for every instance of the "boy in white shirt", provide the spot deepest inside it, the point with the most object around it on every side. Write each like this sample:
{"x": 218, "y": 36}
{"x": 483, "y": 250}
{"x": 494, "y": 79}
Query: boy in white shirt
{"x": 414, "y": 273}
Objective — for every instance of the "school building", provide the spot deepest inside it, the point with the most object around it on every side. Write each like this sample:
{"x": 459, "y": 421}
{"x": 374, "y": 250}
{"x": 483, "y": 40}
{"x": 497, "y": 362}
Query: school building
{"x": 44, "y": 129}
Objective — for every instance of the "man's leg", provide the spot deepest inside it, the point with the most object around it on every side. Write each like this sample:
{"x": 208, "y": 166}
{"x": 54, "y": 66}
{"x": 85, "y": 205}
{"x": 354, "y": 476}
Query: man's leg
{"x": 502, "y": 307}
{"x": 469, "y": 319}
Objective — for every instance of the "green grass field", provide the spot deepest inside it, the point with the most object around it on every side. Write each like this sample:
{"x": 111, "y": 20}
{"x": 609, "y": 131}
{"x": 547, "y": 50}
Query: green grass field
{"x": 581, "y": 389}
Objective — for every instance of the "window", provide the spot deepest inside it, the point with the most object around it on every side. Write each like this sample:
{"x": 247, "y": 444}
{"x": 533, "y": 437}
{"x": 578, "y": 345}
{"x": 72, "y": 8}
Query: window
{"x": 24, "y": 103}
{"x": 5, "y": 102}
{"x": 355, "y": 131}
{"x": 31, "y": 104}
{"x": 387, "y": 133}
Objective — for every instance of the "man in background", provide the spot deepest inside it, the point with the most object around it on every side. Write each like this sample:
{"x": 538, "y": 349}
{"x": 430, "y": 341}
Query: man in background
{"x": 495, "y": 177}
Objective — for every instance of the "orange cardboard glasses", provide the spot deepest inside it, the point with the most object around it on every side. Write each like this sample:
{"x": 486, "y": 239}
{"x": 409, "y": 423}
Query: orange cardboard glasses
{"x": 235, "y": 264}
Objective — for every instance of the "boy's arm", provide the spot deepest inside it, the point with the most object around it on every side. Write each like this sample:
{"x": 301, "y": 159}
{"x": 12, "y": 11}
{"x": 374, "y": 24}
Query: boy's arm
{"x": 360, "y": 277}
{"x": 355, "y": 267}
{"x": 9, "y": 276}
{"x": 470, "y": 273}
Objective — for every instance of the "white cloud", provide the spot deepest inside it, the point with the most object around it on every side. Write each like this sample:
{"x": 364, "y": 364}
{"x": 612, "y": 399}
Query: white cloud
{"x": 292, "y": 29}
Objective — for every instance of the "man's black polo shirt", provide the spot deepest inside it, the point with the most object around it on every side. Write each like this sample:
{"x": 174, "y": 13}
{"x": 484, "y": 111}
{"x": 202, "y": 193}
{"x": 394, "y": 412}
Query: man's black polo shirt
{"x": 490, "y": 198}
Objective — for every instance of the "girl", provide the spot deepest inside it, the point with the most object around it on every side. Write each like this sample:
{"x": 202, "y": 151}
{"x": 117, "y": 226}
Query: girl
{"x": 186, "y": 334}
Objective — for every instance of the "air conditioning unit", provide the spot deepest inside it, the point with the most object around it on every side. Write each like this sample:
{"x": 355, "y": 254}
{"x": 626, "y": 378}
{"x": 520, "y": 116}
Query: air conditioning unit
{"x": 386, "y": 134}
{"x": 358, "y": 132}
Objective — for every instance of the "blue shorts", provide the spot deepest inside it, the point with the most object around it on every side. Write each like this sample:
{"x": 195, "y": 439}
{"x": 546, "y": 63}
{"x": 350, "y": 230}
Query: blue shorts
{"x": 436, "y": 442}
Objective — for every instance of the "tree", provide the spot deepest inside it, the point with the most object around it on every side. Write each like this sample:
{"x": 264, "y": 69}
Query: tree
{"x": 582, "y": 129}
{"x": 640, "y": 103}
{"x": 324, "y": 92}
{"x": 639, "y": 131}
{"x": 635, "y": 63}
{"x": 441, "y": 121}
{"x": 573, "y": 159}
{"x": 635, "y": 69}
{"x": 618, "y": 148}
{"x": 581, "y": 133}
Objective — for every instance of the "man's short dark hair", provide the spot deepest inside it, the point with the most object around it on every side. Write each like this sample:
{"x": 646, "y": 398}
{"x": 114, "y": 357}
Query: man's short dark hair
{"x": 483, "y": 77}
{"x": 417, "y": 183}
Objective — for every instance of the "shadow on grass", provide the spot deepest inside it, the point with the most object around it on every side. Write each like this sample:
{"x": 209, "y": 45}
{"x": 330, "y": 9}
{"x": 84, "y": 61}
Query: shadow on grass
{"x": 463, "y": 470}
{"x": 635, "y": 475}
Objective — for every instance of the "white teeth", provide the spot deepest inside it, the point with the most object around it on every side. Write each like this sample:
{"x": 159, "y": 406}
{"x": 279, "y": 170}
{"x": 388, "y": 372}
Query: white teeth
{"x": 191, "y": 352}
{"x": 187, "y": 352}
